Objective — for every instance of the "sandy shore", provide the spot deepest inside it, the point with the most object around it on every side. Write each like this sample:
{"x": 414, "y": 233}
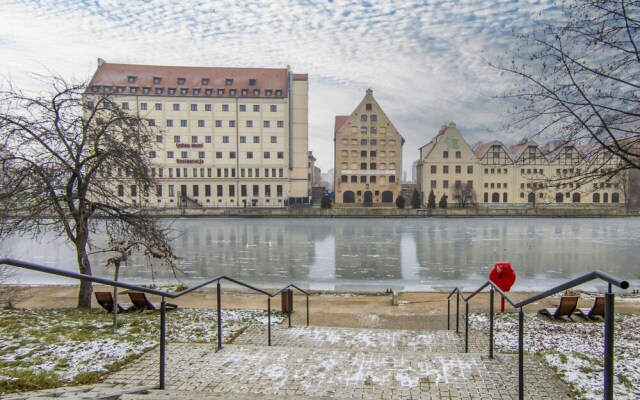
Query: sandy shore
{"x": 327, "y": 308}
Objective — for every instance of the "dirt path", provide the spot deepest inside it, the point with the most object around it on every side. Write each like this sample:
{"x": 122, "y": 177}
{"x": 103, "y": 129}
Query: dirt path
{"x": 414, "y": 310}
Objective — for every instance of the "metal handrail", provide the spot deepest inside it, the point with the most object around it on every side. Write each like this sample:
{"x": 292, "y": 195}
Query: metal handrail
{"x": 608, "y": 317}
{"x": 74, "y": 275}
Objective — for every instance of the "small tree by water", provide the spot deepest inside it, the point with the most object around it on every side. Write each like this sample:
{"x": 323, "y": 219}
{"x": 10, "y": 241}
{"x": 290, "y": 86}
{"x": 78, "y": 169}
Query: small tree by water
{"x": 443, "y": 201}
{"x": 400, "y": 201}
{"x": 415, "y": 199}
{"x": 325, "y": 203}
{"x": 431, "y": 201}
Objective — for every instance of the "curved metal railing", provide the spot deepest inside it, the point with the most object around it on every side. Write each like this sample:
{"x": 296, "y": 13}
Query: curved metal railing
{"x": 608, "y": 320}
{"x": 163, "y": 294}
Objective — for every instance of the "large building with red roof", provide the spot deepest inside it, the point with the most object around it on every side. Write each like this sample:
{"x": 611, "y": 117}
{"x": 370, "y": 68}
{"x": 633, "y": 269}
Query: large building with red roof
{"x": 231, "y": 137}
{"x": 492, "y": 174}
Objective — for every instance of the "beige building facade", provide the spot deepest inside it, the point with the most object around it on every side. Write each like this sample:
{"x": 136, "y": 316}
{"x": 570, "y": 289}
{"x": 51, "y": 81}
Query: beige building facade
{"x": 368, "y": 157}
{"x": 229, "y": 137}
{"x": 492, "y": 174}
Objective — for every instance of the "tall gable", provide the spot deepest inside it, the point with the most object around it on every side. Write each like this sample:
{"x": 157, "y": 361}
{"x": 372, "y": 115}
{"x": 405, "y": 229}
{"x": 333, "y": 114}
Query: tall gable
{"x": 449, "y": 143}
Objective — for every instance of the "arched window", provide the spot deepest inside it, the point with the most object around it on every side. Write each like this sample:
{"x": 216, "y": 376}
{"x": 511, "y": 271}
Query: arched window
{"x": 348, "y": 197}
{"x": 596, "y": 198}
{"x": 576, "y": 198}
{"x": 531, "y": 198}
{"x": 505, "y": 197}
{"x": 354, "y": 179}
{"x": 615, "y": 197}
{"x": 372, "y": 166}
{"x": 373, "y": 142}
{"x": 387, "y": 196}
{"x": 363, "y": 165}
{"x": 495, "y": 197}
{"x": 559, "y": 197}
{"x": 486, "y": 197}
{"x": 368, "y": 197}
{"x": 605, "y": 197}
{"x": 363, "y": 142}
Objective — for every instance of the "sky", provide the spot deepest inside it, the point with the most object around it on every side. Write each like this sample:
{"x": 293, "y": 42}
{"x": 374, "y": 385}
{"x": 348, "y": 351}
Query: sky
{"x": 426, "y": 61}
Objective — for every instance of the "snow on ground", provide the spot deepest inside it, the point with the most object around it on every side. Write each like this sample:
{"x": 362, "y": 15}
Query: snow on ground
{"x": 574, "y": 349}
{"x": 66, "y": 344}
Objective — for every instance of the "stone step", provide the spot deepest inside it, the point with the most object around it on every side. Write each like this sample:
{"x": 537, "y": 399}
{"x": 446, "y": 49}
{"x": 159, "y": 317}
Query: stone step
{"x": 102, "y": 391}
{"x": 183, "y": 395}
{"x": 253, "y": 371}
{"x": 354, "y": 339}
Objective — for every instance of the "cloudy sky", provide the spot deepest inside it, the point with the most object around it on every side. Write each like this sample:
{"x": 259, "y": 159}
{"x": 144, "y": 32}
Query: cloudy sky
{"x": 424, "y": 60}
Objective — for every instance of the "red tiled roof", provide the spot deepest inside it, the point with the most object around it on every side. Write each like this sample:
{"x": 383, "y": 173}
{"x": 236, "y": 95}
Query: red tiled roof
{"x": 340, "y": 120}
{"x": 481, "y": 148}
{"x": 194, "y": 79}
{"x": 516, "y": 151}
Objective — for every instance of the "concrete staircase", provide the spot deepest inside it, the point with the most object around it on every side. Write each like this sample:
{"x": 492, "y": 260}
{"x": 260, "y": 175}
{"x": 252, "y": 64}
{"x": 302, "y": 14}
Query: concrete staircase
{"x": 319, "y": 363}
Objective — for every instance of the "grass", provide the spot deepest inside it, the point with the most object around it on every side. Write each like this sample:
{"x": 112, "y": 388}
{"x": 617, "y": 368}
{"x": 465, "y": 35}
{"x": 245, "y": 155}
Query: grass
{"x": 45, "y": 348}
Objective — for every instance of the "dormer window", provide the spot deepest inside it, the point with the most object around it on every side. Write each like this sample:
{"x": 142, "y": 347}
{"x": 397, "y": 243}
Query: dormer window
{"x": 229, "y": 82}
{"x": 106, "y": 89}
{"x": 245, "y": 92}
{"x": 159, "y": 90}
{"x": 181, "y": 81}
{"x": 220, "y": 92}
{"x": 232, "y": 92}
{"x": 120, "y": 89}
{"x": 146, "y": 90}
{"x": 205, "y": 81}
{"x": 156, "y": 80}
{"x": 256, "y": 92}
{"x": 184, "y": 91}
{"x": 252, "y": 82}
{"x": 196, "y": 92}
{"x": 133, "y": 89}
{"x": 267, "y": 92}
{"x": 132, "y": 79}
{"x": 95, "y": 88}
{"x": 278, "y": 92}
{"x": 172, "y": 90}
{"x": 208, "y": 92}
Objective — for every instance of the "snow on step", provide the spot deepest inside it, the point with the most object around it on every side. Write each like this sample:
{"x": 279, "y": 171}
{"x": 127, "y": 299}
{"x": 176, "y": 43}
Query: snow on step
{"x": 243, "y": 370}
{"x": 353, "y": 338}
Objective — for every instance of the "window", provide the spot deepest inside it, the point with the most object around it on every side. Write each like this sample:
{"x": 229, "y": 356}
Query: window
{"x": 434, "y": 169}
{"x": 158, "y": 138}
{"x": 143, "y": 106}
{"x": 344, "y": 179}
{"x": 354, "y": 179}
{"x": 278, "y": 92}
{"x": 267, "y": 154}
{"x": 207, "y": 107}
{"x": 363, "y": 165}
{"x": 470, "y": 169}
{"x": 181, "y": 81}
{"x": 207, "y": 139}
{"x": 225, "y": 107}
{"x": 363, "y": 129}
{"x": 131, "y": 79}
{"x": 176, "y": 107}
{"x": 207, "y": 190}
{"x": 169, "y": 154}
{"x": 363, "y": 153}
{"x": 266, "y": 124}
{"x": 373, "y": 129}
{"x": 445, "y": 169}
{"x": 280, "y": 154}
{"x": 363, "y": 142}
{"x": 256, "y": 139}
{"x": 373, "y": 153}
{"x": 363, "y": 118}
{"x": 125, "y": 106}
{"x": 244, "y": 92}
{"x": 458, "y": 154}
{"x": 243, "y": 107}
{"x": 249, "y": 154}
{"x": 256, "y": 108}
{"x": 368, "y": 107}
{"x": 373, "y": 142}
{"x": 392, "y": 179}
{"x": 280, "y": 124}
{"x": 268, "y": 92}
{"x": 228, "y": 81}
{"x": 201, "y": 154}
{"x": 152, "y": 122}
{"x": 220, "y": 92}
{"x": 458, "y": 169}
{"x": 274, "y": 139}
{"x": 194, "y": 107}
{"x": 183, "y": 123}
{"x": 445, "y": 184}
{"x": 219, "y": 190}
{"x": 176, "y": 139}
{"x": 249, "y": 124}
{"x": 132, "y": 89}
{"x": 225, "y": 139}
{"x": 363, "y": 179}
{"x": 184, "y": 154}
{"x": 159, "y": 90}
{"x": 232, "y": 124}
{"x": 218, "y": 154}
{"x": 121, "y": 190}
{"x": 243, "y": 139}
{"x": 194, "y": 139}
{"x": 256, "y": 92}
{"x": 218, "y": 123}
{"x": 232, "y": 154}
{"x": 172, "y": 90}
{"x": 200, "y": 123}
{"x": 445, "y": 154}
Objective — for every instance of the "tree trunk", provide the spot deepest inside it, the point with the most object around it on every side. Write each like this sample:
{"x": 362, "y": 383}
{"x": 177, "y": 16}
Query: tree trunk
{"x": 84, "y": 266}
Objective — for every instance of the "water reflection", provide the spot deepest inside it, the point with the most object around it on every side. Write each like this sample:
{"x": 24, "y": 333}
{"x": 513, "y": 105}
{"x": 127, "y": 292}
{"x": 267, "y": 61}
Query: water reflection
{"x": 376, "y": 253}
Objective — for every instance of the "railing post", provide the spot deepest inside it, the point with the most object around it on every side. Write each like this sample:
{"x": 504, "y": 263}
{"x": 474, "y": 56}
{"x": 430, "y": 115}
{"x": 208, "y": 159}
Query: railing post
{"x": 307, "y": 310}
{"x": 290, "y": 304}
{"x": 219, "y": 306}
{"x": 458, "y": 312}
{"x": 608, "y": 344}
{"x": 466, "y": 327}
{"x": 448, "y": 313}
{"x": 491, "y": 323}
{"x": 163, "y": 331}
{"x": 269, "y": 319}
{"x": 521, "y": 354}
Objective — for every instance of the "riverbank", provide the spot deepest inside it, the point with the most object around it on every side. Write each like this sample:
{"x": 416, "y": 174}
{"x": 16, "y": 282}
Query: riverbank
{"x": 394, "y": 212}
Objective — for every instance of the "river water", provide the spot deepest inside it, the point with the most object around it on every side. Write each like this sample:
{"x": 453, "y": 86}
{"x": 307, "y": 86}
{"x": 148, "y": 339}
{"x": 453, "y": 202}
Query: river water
{"x": 373, "y": 254}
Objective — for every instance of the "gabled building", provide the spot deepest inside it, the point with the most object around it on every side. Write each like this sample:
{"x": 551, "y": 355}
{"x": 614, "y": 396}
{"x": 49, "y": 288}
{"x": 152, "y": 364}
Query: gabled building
{"x": 231, "y": 137}
{"x": 368, "y": 157}
{"x": 526, "y": 173}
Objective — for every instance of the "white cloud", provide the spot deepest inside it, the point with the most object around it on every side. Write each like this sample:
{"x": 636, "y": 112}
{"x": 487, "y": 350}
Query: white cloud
{"x": 423, "y": 59}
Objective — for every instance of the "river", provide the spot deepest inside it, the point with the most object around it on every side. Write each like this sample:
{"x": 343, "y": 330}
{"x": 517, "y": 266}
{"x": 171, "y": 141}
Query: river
{"x": 349, "y": 254}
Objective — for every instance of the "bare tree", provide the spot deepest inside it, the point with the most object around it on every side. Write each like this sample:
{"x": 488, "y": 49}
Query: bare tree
{"x": 68, "y": 159}
{"x": 464, "y": 194}
{"x": 578, "y": 76}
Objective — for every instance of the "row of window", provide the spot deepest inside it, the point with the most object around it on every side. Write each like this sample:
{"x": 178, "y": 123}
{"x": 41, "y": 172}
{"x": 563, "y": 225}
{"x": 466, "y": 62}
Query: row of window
{"x": 457, "y": 184}
{"x": 207, "y": 190}
{"x": 208, "y": 139}
{"x": 219, "y": 154}
{"x": 445, "y": 154}
{"x": 457, "y": 169}
{"x": 182, "y": 81}
{"x": 372, "y": 142}
{"x": 177, "y": 106}
{"x": 559, "y": 197}
{"x": 218, "y": 123}
{"x": 364, "y": 179}
{"x": 372, "y": 118}
{"x": 185, "y": 91}
{"x": 219, "y": 172}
